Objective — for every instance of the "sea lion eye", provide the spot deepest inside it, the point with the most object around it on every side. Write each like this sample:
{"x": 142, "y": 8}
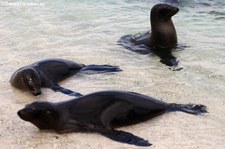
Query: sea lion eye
{"x": 30, "y": 81}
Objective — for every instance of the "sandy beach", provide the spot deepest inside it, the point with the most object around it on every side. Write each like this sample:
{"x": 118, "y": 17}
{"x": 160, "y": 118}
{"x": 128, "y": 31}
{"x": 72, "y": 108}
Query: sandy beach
{"x": 175, "y": 129}
{"x": 87, "y": 32}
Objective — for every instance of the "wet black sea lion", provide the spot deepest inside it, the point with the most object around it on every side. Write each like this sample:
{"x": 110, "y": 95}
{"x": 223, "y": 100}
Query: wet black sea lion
{"x": 47, "y": 73}
{"x": 161, "y": 40}
{"x": 101, "y": 112}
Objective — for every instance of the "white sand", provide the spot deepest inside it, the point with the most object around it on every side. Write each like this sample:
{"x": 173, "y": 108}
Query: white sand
{"x": 171, "y": 130}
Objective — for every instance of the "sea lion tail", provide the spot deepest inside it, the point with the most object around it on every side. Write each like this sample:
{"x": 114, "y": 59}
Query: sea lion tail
{"x": 58, "y": 88}
{"x": 101, "y": 68}
{"x": 189, "y": 108}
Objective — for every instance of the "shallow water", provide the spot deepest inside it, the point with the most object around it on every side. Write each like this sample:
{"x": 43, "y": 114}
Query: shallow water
{"x": 87, "y": 31}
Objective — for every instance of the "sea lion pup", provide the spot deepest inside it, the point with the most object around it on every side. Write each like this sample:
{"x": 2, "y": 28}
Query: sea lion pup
{"x": 102, "y": 112}
{"x": 47, "y": 73}
{"x": 161, "y": 40}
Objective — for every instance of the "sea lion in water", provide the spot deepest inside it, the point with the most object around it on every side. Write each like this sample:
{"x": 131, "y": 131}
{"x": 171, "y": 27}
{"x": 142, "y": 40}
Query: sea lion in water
{"x": 161, "y": 40}
{"x": 47, "y": 73}
{"x": 102, "y": 112}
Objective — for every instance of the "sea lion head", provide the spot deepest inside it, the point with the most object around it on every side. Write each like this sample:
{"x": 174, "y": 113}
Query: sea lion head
{"x": 41, "y": 114}
{"x": 163, "y": 12}
{"x": 32, "y": 81}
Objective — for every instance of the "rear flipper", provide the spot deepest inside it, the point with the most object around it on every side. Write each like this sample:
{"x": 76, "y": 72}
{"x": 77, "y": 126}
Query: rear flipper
{"x": 101, "y": 68}
{"x": 125, "y": 137}
{"x": 188, "y": 108}
{"x": 128, "y": 42}
{"x": 58, "y": 88}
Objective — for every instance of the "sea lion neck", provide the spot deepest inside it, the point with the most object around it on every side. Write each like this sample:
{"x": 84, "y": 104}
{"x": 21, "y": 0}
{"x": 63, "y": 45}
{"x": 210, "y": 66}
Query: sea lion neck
{"x": 163, "y": 34}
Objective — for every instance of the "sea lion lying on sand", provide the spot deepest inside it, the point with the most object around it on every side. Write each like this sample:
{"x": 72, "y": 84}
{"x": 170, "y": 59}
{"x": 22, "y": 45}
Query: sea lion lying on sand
{"x": 102, "y": 112}
{"x": 47, "y": 73}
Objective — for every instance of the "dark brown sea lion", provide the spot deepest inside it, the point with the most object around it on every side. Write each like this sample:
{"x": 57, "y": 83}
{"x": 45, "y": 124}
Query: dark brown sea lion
{"x": 161, "y": 40}
{"x": 102, "y": 112}
{"x": 47, "y": 73}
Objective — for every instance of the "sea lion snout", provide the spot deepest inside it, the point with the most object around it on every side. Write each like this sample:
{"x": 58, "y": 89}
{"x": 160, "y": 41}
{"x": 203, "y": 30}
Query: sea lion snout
{"x": 174, "y": 10}
{"x": 36, "y": 92}
{"x": 21, "y": 114}
{"x": 169, "y": 11}
{"x": 25, "y": 113}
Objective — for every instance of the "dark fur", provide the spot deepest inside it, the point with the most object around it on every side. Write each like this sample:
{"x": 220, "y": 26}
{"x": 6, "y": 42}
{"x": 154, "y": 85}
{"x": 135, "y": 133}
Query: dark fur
{"x": 161, "y": 40}
{"x": 47, "y": 73}
{"x": 102, "y": 112}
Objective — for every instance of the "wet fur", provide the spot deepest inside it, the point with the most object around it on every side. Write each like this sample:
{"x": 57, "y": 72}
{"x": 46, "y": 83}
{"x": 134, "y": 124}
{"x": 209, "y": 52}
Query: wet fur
{"x": 102, "y": 112}
{"x": 47, "y": 73}
{"x": 162, "y": 38}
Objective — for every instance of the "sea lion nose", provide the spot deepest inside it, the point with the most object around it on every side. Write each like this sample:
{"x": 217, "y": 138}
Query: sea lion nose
{"x": 19, "y": 113}
{"x": 36, "y": 92}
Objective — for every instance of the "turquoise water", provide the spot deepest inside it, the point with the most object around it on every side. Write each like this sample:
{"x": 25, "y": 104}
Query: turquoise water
{"x": 87, "y": 31}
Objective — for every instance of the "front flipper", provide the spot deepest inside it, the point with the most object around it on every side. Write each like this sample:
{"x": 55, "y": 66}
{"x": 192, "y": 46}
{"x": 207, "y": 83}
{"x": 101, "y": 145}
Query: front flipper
{"x": 125, "y": 137}
{"x": 168, "y": 61}
{"x": 58, "y": 88}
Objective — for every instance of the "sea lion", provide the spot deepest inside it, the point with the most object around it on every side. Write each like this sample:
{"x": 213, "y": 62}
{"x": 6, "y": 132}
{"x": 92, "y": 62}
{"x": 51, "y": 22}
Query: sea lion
{"x": 48, "y": 72}
{"x": 102, "y": 112}
{"x": 161, "y": 40}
